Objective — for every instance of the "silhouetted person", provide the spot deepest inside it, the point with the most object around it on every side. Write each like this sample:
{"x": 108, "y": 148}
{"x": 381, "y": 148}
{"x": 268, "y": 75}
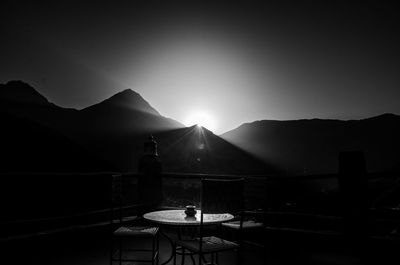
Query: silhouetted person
{"x": 150, "y": 181}
{"x": 353, "y": 188}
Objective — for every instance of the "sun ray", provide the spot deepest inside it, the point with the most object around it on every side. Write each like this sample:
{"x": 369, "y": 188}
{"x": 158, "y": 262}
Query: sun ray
{"x": 202, "y": 119}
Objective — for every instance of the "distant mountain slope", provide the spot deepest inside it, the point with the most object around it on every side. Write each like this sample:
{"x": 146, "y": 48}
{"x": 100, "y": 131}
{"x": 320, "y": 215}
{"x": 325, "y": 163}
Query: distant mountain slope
{"x": 126, "y": 112}
{"x": 312, "y": 146}
{"x": 18, "y": 91}
{"x": 127, "y": 99}
{"x": 117, "y": 127}
{"x": 113, "y": 130}
{"x": 27, "y": 146}
{"x": 110, "y": 129}
{"x": 21, "y": 100}
{"x": 198, "y": 150}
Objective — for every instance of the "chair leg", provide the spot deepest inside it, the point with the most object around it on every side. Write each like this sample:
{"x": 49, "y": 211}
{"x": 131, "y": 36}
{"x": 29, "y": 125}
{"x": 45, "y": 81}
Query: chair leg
{"x": 153, "y": 246}
{"x": 192, "y": 258}
{"x": 239, "y": 256}
{"x": 203, "y": 257}
{"x": 183, "y": 256}
{"x": 111, "y": 250}
{"x": 120, "y": 251}
{"x": 158, "y": 249}
{"x": 174, "y": 255}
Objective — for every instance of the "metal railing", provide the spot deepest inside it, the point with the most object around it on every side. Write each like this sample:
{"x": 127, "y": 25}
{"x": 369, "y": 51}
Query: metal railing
{"x": 57, "y": 200}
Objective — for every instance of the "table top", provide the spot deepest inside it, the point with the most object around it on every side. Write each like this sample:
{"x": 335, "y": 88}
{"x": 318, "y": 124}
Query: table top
{"x": 178, "y": 217}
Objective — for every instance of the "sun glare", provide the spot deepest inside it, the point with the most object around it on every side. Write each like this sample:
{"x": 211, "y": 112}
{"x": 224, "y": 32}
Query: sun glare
{"x": 202, "y": 119}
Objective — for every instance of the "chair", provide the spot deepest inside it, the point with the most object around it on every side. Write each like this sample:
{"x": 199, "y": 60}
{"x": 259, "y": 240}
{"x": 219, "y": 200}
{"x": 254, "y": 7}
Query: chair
{"x": 123, "y": 232}
{"x": 252, "y": 225}
{"x": 217, "y": 196}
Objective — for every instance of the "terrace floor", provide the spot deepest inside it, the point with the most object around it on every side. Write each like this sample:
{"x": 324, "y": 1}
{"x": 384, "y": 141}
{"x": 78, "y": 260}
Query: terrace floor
{"x": 91, "y": 247}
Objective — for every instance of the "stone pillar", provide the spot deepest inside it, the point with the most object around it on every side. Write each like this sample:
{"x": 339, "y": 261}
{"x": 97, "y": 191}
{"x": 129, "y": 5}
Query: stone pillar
{"x": 150, "y": 180}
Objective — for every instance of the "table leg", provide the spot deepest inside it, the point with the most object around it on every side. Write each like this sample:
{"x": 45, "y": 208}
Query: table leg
{"x": 172, "y": 243}
{"x": 173, "y": 248}
{"x": 183, "y": 257}
{"x": 192, "y": 232}
{"x": 192, "y": 258}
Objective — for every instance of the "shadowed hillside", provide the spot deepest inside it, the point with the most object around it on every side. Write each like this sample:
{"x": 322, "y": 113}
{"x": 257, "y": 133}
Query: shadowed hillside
{"x": 116, "y": 128}
{"x": 27, "y": 146}
{"x": 196, "y": 149}
{"x": 312, "y": 146}
{"x": 113, "y": 130}
{"x": 21, "y": 100}
{"x": 125, "y": 112}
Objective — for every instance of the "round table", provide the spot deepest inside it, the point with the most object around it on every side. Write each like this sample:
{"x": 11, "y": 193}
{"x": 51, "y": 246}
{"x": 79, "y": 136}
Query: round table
{"x": 178, "y": 219}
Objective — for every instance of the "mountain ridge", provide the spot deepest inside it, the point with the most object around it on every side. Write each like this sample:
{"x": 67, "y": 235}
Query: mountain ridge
{"x": 19, "y": 91}
{"x": 126, "y": 98}
{"x": 312, "y": 146}
{"x": 114, "y": 131}
{"x": 386, "y": 115}
{"x": 115, "y": 128}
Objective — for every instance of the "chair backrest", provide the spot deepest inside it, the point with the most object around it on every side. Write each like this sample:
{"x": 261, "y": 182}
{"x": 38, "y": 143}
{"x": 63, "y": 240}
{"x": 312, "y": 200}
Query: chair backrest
{"x": 222, "y": 195}
{"x": 116, "y": 203}
{"x": 124, "y": 205}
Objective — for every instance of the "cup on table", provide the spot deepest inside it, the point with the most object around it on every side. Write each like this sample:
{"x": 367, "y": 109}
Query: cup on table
{"x": 190, "y": 210}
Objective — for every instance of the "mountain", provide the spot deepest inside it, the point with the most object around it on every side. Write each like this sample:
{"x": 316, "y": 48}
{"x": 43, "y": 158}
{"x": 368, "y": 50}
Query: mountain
{"x": 35, "y": 134}
{"x": 18, "y": 91}
{"x": 112, "y": 133}
{"x": 22, "y": 100}
{"x": 106, "y": 130}
{"x": 127, "y": 99}
{"x": 27, "y": 146}
{"x": 197, "y": 150}
{"x": 312, "y": 146}
{"x": 124, "y": 113}
{"x": 122, "y": 123}
{"x": 116, "y": 128}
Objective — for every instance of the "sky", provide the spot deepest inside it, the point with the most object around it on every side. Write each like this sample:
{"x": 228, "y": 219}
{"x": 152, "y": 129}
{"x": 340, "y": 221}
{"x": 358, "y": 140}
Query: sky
{"x": 222, "y": 62}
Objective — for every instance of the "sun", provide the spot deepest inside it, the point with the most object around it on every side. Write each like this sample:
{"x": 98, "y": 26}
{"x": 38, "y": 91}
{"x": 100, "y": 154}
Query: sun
{"x": 201, "y": 118}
